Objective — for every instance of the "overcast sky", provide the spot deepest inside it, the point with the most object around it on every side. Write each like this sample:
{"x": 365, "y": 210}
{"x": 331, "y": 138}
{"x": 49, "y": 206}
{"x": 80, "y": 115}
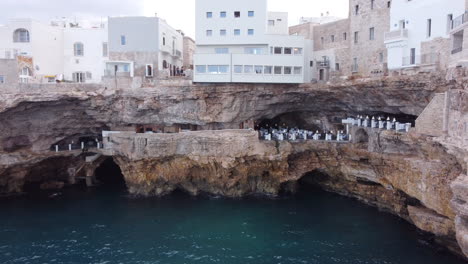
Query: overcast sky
{"x": 179, "y": 13}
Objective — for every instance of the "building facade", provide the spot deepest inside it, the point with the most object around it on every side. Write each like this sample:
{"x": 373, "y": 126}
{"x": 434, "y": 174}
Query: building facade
{"x": 143, "y": 47}
{"x": 189, "y": 50}
{"x": 419, "y": 31}
{"x": 458, "y": 45}
{"x": 240, "y": 42}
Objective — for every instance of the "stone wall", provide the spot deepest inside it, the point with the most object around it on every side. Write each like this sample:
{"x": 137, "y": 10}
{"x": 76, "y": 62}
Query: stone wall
{"x": 431, "y": 120}
{"x": 369, "y": 52}
{"x": 326, "y": 31}
{"x": 9, "y": 69}
{"x": 189, "y": 50}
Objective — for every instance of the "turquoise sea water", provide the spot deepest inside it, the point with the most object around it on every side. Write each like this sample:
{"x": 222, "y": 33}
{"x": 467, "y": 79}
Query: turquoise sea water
{"x": 111, "y": 227}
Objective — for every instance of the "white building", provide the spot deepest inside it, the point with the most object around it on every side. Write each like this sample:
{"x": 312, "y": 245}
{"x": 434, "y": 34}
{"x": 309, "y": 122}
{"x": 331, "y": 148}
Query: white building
{"x": 85, "y": 51}
{"x": 144, "y": 47}
{"x": 240, "y": 42}
{"x": 413, "y": 22}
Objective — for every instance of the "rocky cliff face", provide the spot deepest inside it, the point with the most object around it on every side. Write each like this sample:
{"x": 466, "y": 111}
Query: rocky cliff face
{"x": 409, "y": 175}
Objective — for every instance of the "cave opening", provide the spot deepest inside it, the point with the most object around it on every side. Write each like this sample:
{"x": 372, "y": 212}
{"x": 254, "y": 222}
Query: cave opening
{"x": 361, "y": 136}
{"x": 109, "y": 176}
{"x": 301, "y": 120}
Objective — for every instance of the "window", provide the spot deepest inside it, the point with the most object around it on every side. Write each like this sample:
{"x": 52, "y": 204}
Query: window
{"x": 105, "y": 49}
{"x": 449, "y": 22}
{"x": 223, "y": 69}
{"x": 332, "y": 38}
{"x": 237, "y": 14}
{"x": 126, "y": 68}
{"x": 356, "y": 37}
{"x": 356, "y": 10}
{"x": 149, "y": 70}
{"x": 222, "y": 32}
{"x": 278, "y": 70}
{"x": 429, "y": 28}
{"x": 79, "y": 77}
{"x": 209, "y": 14}
{"x": 278, "y": 50}
{"x": 89, "y": 75}
{"x": 288, "y": 51}
{"x": 371, "y": 33}
{"x": 221, "y": 50}
{"x": 354, "y": 68}
{"x": 251, "y": 13}
{"x": 337, "y": 66}
{"x": 200, "y": 68}
{"x": 372, "y": 2}
{"x": 209, "y": 33}
{"x": 248, "y": 69}
{"x": 255, "y": 51}
{"x": 237, "y": 68}
{"x": 381, "y": 58}
{"x": 21, "y": 35}
{"x": 287, "y": 70}
{"x": 271, "y": 22}
{"x": 250, "y": 32}
{"x": 78, "y": 49}
{"x": 389, "y": 4}
{"x": 2, "y": 79}
{"x": 258, "y": 69}
{"x": 311, "y": 63}
{"x": 322, "y": 40}
{"x": 297, "y": 51}
{"x": 123, "y": 40}
{"x": 267, "y": 69}
{"x": 164, "y": 41}
{"x": 236, "y": 32}
{"x": 297, "y": 70}
{"x": 213, "y": 69}
{"x": 222, "y": 14}
{"x": 26, "y": 71}
{"x": 345, "y": 36}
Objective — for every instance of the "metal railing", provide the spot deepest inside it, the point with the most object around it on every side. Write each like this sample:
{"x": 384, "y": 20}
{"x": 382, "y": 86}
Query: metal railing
{"x": 460, "y": 20}
{"x": 396, "y": 34}
{"x": 429, "y": 58}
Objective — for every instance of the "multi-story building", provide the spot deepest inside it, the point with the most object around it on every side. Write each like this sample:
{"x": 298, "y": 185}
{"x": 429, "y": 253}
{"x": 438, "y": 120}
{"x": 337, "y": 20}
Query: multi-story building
{"x": 419, "y": 31}
{"x": 189, "y": 50}
{"x": 458, "y": 45}
{"x": 239, "y": 41}
{"x": 143, "y": 47}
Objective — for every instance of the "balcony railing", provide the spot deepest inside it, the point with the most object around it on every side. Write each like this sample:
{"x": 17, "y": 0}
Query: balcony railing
{"x": 323, "y": 64}
{"x": 460, "y": 20}
{"x": 423, "y": 59}
{"x": 396, "y": 34}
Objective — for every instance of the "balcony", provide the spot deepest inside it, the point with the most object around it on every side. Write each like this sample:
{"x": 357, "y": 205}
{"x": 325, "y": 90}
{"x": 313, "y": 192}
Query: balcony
{"x": 460, "y": 20}
{"x": 423, "y": 59}
{"x": 323, "y": 64}
{"x": 396, "y": 35}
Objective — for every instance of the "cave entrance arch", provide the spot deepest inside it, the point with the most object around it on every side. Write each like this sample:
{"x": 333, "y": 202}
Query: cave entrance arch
{"x": 109, "y": 176}
{"x": 361, "y": 136}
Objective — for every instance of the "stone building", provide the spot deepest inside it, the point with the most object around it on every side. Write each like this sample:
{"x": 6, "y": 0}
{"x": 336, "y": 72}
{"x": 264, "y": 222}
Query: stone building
{"x": 8, "y": 71}
{"x": 189, "y": 50}
{"x": 458, "y": 45}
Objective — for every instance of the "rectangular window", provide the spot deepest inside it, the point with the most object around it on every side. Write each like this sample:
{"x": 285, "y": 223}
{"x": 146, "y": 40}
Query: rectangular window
{"x": 278, "y": 50}
{"x": 209, "y": 14}
{"x": 237, "y": 14}
{"x": 223, "y": 68}
{"x": 149, "y": 70}
{"x": 250, "y": 32}
{"x": 126, "y": 68}
{"x": 429, "y": 28}
{"x": 389, "y": 4}
{"x": 2, "y": 79}
{"x": 354, "y": 68}
{"x": 105, "y": 50}
{"x": 311, "y": 63}
{"x": 372, "y": 2}
{"x": 222, "y": 14}
{"x": 278, "y": 70}
{"x": 381, "y": 58}
{"x": 337, "y": 66}
{"x": 356, "y": 37}
{"x": 222, "y": 32}
{"x": 200, "y": 68}
{"x": 297, "y": 51}
{"x": 287, "y": 70}
{"x": 123, "y": 40}
{"x": 356, "y": 10}
{"x": 248, "y": 69}
{"x": 209, "y": 33}
{"x": 237, "y": 68}
{"x": 332, "y": 38}
{"x": 258, "y": 69}
{"x": 371, "y": 33}
{"x": 288, "y": 51}
{"x": 251, "y": 13}
{"x": 255, "y": 51}
{"x": 236, "y": 32}
{"x": 345, "y": 36}
{"x": 221, "y": 50}
{"x": 297, "y": 70}
{"x": 79, "y": 77}
{"x": 271, "y": 22}
{"x": 268, "y": 69}
{"x": 213, "y": 69}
